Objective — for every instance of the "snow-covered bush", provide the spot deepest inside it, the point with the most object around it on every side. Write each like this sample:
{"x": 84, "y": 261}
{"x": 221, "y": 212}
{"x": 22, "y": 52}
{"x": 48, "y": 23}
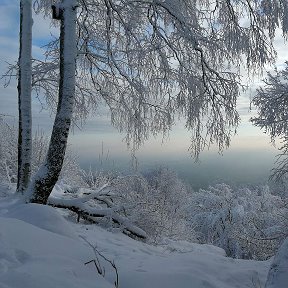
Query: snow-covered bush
{"x": 247, "y": 223}
{"x": 9, "y": 159}
{"x": 8, "y": 153}
{"x": 95, "y": 179}
{"x": 157, "y": 203}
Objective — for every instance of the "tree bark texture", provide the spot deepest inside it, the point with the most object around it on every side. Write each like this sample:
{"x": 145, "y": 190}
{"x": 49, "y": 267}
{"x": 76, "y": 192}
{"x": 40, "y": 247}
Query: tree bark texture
{"x": 48, "y": 174}
{"x": 24, "y": 96}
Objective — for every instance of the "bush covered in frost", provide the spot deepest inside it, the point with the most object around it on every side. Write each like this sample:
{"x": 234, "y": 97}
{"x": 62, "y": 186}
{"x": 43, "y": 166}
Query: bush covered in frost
{"x": 157, "y": 202}
{"x": 9, "y": 159}
{"x": 247, "y": 223}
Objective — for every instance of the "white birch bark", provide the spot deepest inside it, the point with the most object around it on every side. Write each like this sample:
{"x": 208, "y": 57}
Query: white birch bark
{"x": 48, "y": 174}
{"x": 24, "y": 96}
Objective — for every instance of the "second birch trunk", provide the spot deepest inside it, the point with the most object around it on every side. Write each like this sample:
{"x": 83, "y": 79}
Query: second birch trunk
{"x": 48, "y": 174}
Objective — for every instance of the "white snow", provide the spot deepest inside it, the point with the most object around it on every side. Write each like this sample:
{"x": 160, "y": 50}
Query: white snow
{"x": 44, "y": 217}
{"x": 278, "y": 276}
{"x": 39, "y": 248}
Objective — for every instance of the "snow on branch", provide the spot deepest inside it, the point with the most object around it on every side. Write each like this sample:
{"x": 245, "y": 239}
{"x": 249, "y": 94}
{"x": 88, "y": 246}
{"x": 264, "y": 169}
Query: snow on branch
{"x": 154, "y": 61}
{"x": 80, "y": 206}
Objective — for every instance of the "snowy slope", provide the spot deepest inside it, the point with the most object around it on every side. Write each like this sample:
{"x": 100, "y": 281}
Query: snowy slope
{"x": 39, "y": 248}
{"x": 177, "y": 264}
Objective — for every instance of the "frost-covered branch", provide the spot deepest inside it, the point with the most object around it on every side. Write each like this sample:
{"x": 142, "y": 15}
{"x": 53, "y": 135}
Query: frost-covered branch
{"x": 152, "y": 61}
{"x": 80, "y": 206}
{"x": 271, "y": 101}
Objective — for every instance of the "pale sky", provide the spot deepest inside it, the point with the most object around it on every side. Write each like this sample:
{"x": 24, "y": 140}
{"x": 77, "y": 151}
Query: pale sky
{"x": 247, "y": 160}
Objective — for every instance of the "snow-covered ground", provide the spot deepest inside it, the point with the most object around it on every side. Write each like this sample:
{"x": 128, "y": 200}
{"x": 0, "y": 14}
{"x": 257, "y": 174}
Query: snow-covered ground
{"x": 40, "y": 248}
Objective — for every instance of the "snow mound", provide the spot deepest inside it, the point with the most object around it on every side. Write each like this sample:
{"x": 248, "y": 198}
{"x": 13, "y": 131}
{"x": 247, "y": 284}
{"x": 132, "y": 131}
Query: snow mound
{"x": 33, "y": 257}
{"x": 185, "y": 247}
{"x": 44, "y": 217}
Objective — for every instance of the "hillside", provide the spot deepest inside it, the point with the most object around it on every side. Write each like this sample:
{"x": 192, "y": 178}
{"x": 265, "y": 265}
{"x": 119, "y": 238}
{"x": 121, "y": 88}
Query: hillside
{"x": 40, "y": 248}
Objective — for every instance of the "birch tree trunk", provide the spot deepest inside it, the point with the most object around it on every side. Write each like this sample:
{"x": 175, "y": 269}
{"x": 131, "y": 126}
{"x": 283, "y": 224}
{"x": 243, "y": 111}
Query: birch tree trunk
{"x": 24, "y": 96}
{"x": 48, "y": 174}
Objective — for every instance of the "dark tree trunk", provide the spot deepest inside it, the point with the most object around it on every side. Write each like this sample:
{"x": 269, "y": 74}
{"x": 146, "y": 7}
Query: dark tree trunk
{"x": 48, "y": 174}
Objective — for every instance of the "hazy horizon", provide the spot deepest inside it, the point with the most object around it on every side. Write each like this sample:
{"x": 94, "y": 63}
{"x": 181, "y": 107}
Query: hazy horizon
{"x": 248, "y": 160}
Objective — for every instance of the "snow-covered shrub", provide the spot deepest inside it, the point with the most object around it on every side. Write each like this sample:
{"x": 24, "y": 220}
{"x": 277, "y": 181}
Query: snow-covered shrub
{"x": 9, "y": 159}
{"x": 8, "y": 153}
{"x": 157, "y": 203}
{"x": 95, "y": 179}
{"x": 247, "y": 223}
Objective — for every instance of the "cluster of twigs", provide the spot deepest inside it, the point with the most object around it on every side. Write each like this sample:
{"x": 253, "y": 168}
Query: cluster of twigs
{"x": 99, "y": 267}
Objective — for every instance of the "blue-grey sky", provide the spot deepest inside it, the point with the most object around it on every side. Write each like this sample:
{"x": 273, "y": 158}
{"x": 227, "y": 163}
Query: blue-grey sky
{"x": 248, "y": 160}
